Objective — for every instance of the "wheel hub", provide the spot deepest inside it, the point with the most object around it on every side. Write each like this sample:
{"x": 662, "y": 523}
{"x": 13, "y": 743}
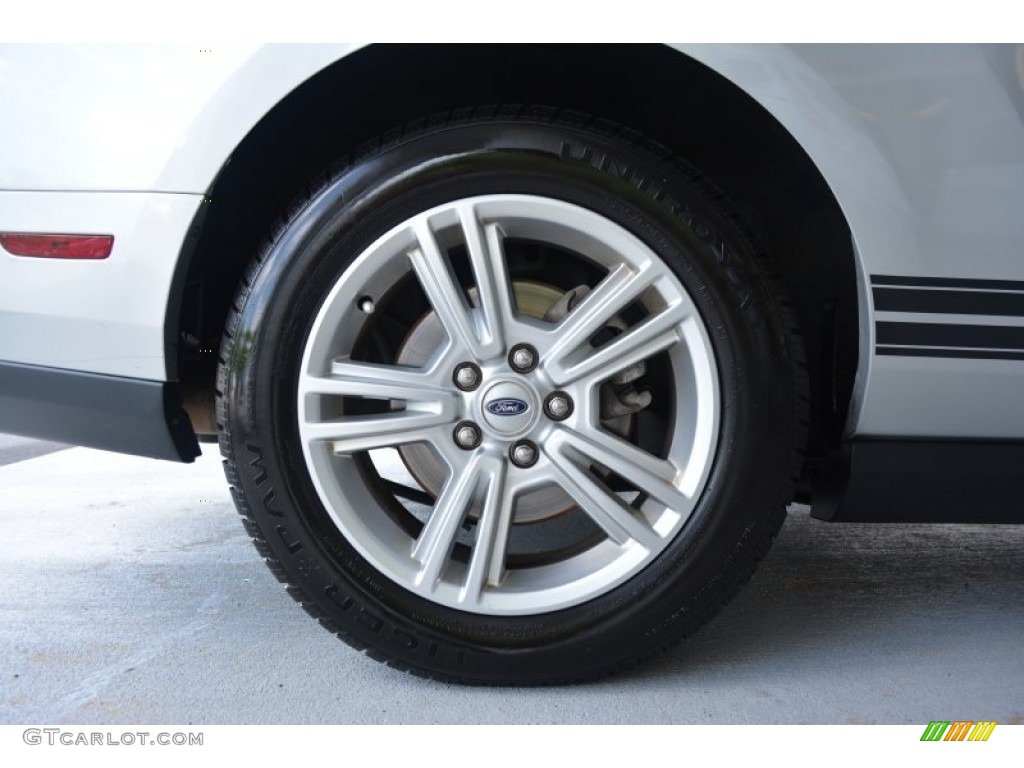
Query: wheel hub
{"x": 509, "y": 408}
{"x": 534, "y": 300}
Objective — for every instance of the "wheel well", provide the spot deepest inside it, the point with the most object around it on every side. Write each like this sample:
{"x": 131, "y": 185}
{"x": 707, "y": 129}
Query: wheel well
{"x": 669, "y": 97}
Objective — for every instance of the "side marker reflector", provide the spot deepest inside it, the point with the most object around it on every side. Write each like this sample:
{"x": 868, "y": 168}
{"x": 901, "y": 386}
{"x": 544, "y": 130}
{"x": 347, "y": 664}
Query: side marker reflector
{"x": 49, "y": 246}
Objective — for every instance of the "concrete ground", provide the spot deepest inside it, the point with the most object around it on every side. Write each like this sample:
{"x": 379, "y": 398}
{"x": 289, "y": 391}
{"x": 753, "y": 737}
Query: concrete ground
{"x": 129, "y": 593}
{"x": 14, "y": 448}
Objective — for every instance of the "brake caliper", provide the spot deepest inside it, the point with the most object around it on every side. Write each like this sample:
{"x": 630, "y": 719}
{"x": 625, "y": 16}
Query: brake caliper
{"x": 620, "y": 398}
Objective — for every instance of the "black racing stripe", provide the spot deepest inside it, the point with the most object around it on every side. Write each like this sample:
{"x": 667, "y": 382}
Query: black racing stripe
{"x": 943, "y": 335}
{"x": 948, "y": 282}
{"x": 969, "y": 354}
{"x": 948, "y": 302}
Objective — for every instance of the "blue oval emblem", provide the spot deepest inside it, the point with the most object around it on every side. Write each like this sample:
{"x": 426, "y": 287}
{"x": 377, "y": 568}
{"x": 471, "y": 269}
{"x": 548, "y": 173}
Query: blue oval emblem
{"x": 507, "y": 406}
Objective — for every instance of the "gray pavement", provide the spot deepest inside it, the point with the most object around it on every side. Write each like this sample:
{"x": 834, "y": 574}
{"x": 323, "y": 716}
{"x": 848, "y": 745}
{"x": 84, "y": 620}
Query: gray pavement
{"x": 129, "y": 593}
{"x": 14, "y": 448}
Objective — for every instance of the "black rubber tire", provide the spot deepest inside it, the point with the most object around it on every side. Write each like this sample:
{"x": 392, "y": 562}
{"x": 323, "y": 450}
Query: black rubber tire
{"x": 660, "y": 199}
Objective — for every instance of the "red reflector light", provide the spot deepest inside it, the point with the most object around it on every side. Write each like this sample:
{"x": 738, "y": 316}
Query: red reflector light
{"x": 57, "y": 246}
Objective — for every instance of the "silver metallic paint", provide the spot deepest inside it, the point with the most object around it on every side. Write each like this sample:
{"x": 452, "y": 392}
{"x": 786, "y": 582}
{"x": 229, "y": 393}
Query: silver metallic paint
{"x": 923, "y": 146}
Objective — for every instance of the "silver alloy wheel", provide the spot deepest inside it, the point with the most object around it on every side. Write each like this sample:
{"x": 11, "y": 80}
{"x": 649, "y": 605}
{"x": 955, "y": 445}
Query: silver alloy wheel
{"x": 475, "y": 510}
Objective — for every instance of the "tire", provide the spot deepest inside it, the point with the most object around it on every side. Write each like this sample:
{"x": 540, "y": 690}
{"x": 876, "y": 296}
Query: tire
{"x": 536, "y": 473}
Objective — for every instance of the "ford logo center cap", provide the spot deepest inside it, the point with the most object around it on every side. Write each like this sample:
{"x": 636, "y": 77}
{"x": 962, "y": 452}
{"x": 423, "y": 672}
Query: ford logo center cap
{"x": 507, "y": 406}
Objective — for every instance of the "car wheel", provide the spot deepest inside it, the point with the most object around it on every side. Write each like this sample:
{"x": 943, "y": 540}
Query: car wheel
{"x": 510, "y": 398}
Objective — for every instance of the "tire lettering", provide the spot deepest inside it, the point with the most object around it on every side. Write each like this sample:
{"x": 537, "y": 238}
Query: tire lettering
{"x": 392, "y": 633}
{"x": 257, "y": 463}
{"x": 570, "y": 152}
{"x": 652, "y": 187}
{"x": 333, "y": 594}
{"x": 718, "y": 248}
{"x": 269, "y": 497}
{"x": 681, "y": 212}
{"x": 294, "y": 546}
{"x": 369, "y": 621}
{"x": 701, "y": 230}
{"x": 603, "y": 162}
{"x": 610, "y": 165}
{"x": 404, "y": 639}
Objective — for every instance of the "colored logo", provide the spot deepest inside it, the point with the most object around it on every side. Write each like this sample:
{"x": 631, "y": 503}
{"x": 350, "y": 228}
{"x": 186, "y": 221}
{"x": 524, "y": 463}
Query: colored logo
{"x": 958, "y": 730}
{"x": 507, "y": 406}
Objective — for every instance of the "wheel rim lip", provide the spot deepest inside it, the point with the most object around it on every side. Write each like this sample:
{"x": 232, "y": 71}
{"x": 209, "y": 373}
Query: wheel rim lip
{"x": 554, "y": 586}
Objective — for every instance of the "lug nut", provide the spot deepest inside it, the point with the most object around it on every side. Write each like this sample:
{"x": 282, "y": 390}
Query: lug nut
{"x": 467, "y": 435}
{"x": 522, "y": 358}
{"x": 523, "y": 454}
{"x": 467, "y": 377}
{"x": 558, "y": 406}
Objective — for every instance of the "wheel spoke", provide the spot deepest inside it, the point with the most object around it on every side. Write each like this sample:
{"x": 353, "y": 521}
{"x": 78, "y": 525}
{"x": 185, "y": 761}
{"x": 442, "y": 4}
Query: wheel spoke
{"x": 487, "y": 563}
{"x": 620, "y": 288}
{"x": 487, "y": 257}
{"x": 655, "y": 477}
{"x": 351, "y": 434}
{"x": 426, "y": 406}
{"x": 383, "y": 382}
{"x": 433, "y": 548}
{"x": 435, "y": 275}
{"x": 653, "y": 335}
{"x": 622, "y": 523}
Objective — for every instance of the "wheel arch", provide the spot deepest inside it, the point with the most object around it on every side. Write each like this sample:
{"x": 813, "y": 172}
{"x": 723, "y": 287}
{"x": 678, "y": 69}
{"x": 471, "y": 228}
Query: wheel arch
{"x": 704, "y": 102}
